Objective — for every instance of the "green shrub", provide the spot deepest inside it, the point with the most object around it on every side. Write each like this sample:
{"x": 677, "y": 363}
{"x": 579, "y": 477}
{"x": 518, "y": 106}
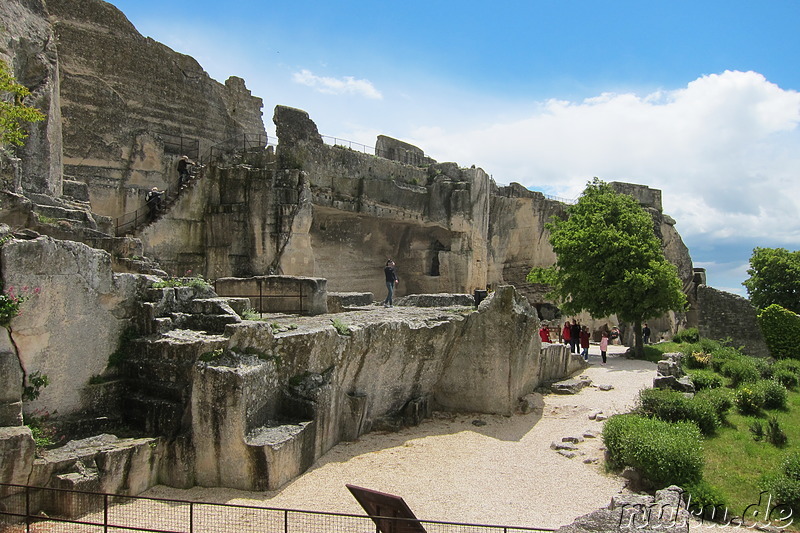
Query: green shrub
{"x": 664, "y": 453}
{"x": 781, "y": 328}
{"x": 689, "y": 335}
{"x": 774, "y": 434}
{"x": 721, "y": 400}
{"x": 784, "y": 485}
{"x": 757, "y": 429}
{"x": 696, "y": 360}
{"x": 791, "y": 365}
{"x": 672, "y": 406}
{"x": 742, "y": 370}
{"x": 340, "y": 327}
{"x": 764, "y": 366}
{"x": 704, "y": 501}
{"x": 791, "y": 465}
{"x": 705, "y": 379}
{"x": 787, "y": 378}
{"x": 723, "y": 355}
{"x": 749, "y": 399}
{"x": 775, "y": 394}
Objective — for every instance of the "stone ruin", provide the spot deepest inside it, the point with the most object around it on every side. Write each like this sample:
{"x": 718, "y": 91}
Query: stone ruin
{"x": 207, "y": 397}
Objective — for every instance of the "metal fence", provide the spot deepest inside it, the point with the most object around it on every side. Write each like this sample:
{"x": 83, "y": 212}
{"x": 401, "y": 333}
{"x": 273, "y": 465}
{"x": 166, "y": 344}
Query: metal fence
{"x": 37, "y": 509}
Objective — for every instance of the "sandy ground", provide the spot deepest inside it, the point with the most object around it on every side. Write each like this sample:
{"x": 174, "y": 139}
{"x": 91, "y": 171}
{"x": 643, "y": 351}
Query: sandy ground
{"x": 449, "y": 469}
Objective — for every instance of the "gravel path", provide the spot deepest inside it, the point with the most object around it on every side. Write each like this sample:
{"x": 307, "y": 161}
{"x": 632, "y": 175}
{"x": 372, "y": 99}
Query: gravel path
{"x": 449, "y": 469}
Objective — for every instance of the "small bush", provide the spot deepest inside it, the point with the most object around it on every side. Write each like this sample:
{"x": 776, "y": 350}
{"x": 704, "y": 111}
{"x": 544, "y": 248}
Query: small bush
{"x": 774, "y": 433}
{"x": 662, "y": 452}
{"x": 672, "y": 406}
{"x": 689, "y": 335}
{"x": 704, "y": 501}
{"x": 780, "y": 327}
{"x": 757, "y": 429}
{"x": 696, "y": 360}
{"x": 705, "y": 379}
{"x": 340, "y": 327}
{"x": 787, "y": 378}
{"x": 775, "y": 395}
{"x": 792, "y": 365}
{"x": 722, "y": 355}
{"x": 749, "y": 400}
{"x": 764, "y": 366}
{"x": 742, "y": 370}
{"x": 721, "y": 400}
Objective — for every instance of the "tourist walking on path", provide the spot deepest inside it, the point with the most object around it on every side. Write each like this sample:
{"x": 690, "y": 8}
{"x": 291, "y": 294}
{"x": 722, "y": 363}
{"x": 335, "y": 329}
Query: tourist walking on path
{"x": 391, "y": 281}
{"x": 646, "y": 334}
{"x": 585, "y": 343}
{"x": 565, "y": 333}
{"x": 575, "y": 337}
{"x": 604, "y": 346}
{"x": 183, "y": 170}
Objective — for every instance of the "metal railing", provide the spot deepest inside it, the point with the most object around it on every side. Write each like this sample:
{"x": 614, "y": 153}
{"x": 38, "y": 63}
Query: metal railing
{"x": 28, "y": 509}
{"x": 371, "y": 150}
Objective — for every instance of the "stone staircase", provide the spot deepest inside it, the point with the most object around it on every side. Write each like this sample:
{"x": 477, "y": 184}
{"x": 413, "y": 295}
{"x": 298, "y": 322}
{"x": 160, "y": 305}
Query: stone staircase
{"x": 180, "y": 326}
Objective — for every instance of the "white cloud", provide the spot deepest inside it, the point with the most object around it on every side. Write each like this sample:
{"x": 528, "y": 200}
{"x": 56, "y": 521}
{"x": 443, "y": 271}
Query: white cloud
{"x": 725, "y": 151}
{"x": 345, "y": 85}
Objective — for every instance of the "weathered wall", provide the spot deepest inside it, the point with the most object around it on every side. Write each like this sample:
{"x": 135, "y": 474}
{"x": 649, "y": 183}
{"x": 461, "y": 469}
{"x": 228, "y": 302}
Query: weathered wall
{"x": 120, "y": 91}
{"x": 722, "y": 315}
{"x": 67, "y": 330}
{"x": 28, "y": 45}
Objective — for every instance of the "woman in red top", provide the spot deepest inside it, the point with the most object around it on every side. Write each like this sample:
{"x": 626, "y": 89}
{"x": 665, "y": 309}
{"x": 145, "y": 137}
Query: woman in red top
{"x": 544, "y": 334}
{"x": 565, "y": 333}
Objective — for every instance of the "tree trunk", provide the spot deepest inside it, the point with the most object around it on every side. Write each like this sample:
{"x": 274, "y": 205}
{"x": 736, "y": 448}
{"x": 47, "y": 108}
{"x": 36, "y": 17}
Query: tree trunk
{"x": 638, "y": 343}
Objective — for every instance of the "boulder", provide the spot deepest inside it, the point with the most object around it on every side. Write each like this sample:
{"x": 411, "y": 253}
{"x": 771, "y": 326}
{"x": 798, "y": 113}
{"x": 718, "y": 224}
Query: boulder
{"x": 570, "y": 386}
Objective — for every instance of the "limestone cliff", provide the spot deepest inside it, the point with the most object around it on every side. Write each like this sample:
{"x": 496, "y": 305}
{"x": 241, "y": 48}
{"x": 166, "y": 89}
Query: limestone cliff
{"x": 132, "y": 106}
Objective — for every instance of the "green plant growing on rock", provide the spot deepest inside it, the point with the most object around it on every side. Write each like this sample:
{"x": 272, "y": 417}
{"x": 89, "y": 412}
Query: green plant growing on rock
{"x": 186, "y": 281}
{"x": 13, "y": 111}
{"x": 212, "y": 355}
{"x": 34, "y": 383}
{"x": 340, "y": 327}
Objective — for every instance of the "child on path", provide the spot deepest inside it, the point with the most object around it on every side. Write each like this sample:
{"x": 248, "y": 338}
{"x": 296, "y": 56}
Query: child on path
{"x": 604, "y": 346}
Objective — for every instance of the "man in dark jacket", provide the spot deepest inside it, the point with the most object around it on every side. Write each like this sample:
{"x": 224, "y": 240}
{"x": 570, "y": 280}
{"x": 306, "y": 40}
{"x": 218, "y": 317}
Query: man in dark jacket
{"x": 391, "y": 281}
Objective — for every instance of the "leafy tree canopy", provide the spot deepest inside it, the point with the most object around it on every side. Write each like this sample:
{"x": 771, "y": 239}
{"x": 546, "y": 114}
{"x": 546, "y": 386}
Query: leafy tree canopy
{"x": 774, "y": 278}
{"x": 13, "y": 111}
{"x": 609, "y": 260}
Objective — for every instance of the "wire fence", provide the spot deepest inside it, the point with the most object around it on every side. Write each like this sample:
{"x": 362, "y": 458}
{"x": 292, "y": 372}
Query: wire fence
{"x": 38, "y": 509}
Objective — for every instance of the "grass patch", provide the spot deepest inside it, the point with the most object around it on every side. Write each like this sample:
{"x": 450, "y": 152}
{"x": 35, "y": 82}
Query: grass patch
{"x": 739, "y": 458}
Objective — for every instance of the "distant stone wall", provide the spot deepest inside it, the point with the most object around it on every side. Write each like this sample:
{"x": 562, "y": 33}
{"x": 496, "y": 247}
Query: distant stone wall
{"x": 724, "y": 315}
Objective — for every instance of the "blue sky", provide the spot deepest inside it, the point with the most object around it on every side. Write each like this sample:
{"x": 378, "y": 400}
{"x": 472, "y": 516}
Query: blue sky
{"x": 696, "y": 98}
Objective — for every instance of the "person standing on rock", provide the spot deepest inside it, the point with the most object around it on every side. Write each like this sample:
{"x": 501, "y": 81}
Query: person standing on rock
{"x": 391, "y": 282}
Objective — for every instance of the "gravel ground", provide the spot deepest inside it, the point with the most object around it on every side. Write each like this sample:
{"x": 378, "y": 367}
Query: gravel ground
{"x": 450, "y": 469}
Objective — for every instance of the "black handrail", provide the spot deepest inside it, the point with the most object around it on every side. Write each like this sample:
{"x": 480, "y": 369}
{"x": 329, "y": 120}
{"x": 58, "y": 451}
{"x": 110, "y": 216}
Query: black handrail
{"x": 93, "y": 507}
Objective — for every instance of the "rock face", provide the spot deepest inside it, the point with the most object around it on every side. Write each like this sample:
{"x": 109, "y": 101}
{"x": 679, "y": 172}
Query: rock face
{"x": 237, "y": 403}
{"x": 152, "y": 105}
{"x": 68, "y": 330}
{"x": 28, "y": 46}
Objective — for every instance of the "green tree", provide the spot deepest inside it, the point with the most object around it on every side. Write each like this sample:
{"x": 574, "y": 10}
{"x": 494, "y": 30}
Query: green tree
{"x": 609, "y": 261}
{"x": 774, "y": 278}
{"x": 13, "y": 111}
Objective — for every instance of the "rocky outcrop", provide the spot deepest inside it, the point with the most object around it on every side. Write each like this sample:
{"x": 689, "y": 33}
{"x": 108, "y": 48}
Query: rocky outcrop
{"x": 641, "y": 512}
